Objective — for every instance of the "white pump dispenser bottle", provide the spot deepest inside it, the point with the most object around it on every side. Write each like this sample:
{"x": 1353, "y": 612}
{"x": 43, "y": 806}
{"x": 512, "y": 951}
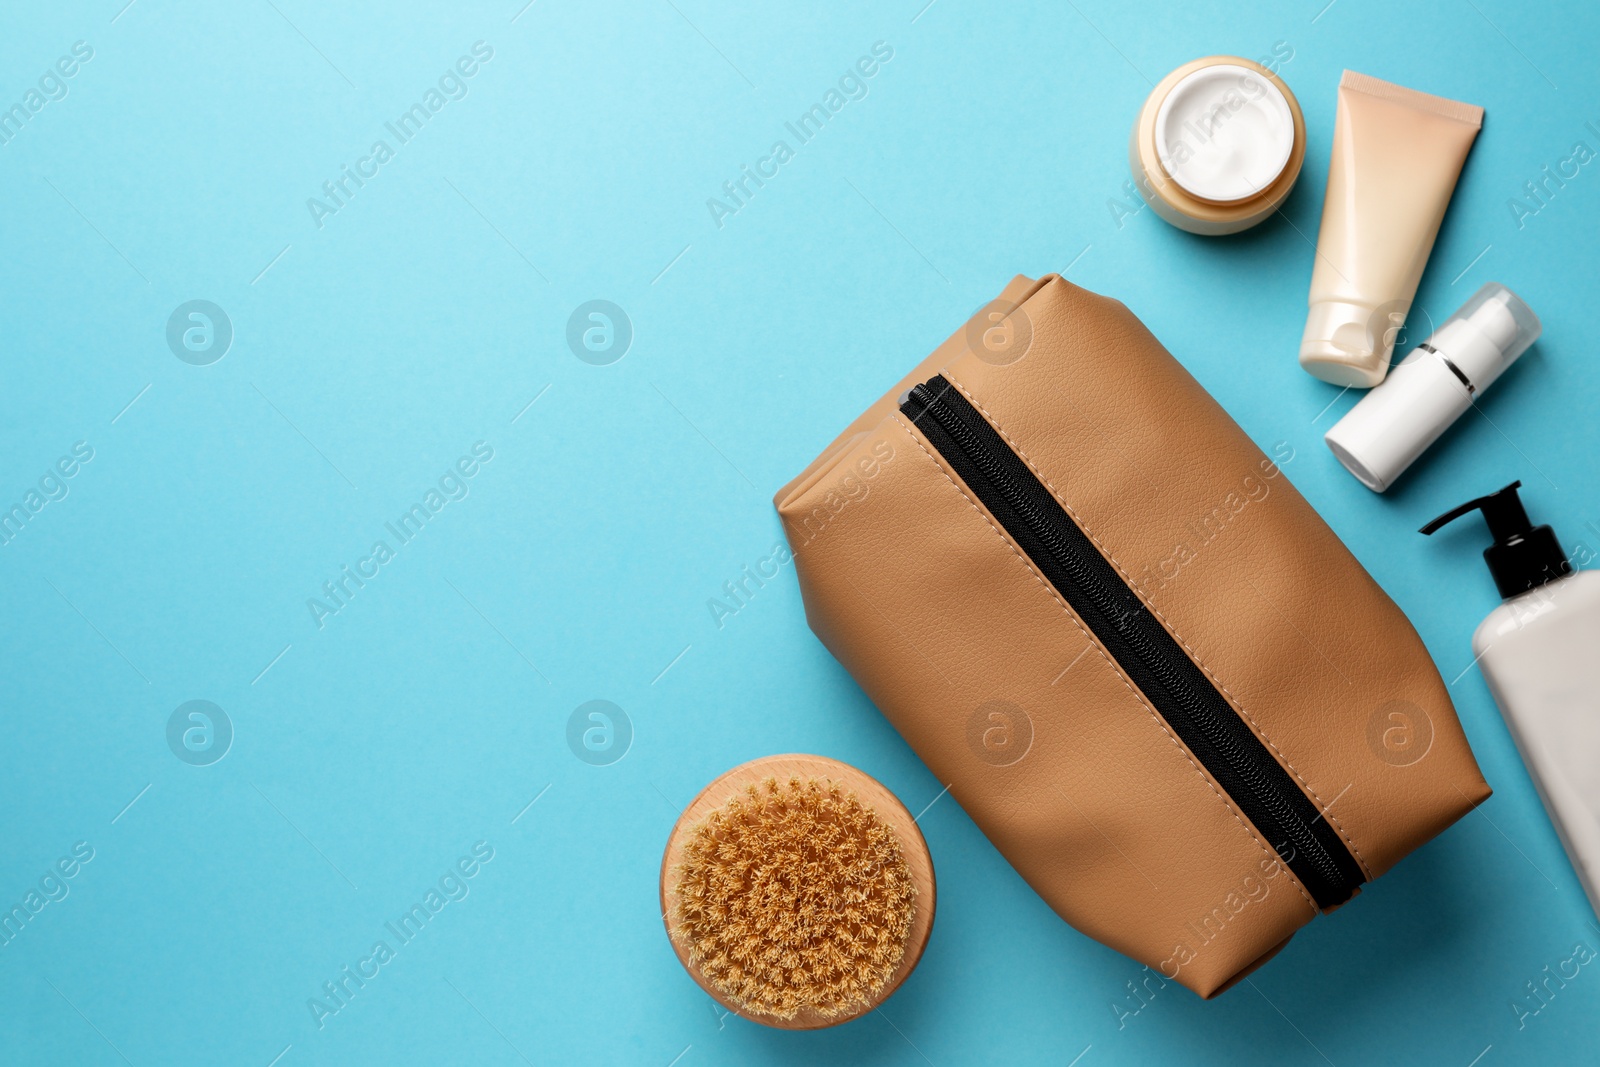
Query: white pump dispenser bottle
{"x": 1540, "y": 653}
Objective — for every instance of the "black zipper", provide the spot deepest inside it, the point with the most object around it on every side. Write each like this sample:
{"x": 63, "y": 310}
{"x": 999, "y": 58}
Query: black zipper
{"x": 1155, "y": 662}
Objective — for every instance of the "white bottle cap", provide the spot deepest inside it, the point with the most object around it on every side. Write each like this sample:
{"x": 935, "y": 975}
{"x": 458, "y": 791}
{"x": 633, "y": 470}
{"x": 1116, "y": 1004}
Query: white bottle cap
{"x": 1396, "y": 421}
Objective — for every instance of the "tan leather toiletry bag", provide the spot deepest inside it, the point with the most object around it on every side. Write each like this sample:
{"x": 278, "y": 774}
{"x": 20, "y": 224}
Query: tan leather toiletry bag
{"x": 1146, "y": 668}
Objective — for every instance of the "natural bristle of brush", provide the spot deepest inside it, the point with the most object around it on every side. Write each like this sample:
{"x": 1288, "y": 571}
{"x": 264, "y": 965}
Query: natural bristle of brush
{"x": 794, "y": 895}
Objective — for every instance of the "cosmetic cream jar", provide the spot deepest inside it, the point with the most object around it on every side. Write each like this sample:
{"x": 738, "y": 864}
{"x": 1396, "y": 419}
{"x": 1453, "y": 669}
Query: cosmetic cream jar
{"x": 1218, "y": 145}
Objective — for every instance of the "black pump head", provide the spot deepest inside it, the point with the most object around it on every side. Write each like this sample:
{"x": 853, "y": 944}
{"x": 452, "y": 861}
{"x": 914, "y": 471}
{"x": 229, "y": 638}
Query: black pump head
{"x": 1523, "y": 556}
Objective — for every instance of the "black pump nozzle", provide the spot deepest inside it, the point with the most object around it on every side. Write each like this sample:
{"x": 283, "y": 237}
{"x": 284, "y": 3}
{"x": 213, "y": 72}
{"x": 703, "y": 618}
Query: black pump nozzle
{"x": 1523, "y": 556}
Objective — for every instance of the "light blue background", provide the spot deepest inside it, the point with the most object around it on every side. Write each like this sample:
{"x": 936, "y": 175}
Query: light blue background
{"x": 427, "y": 313}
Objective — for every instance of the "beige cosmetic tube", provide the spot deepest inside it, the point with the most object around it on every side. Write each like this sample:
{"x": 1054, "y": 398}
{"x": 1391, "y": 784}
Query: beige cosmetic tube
{"x": 1396, "y": 156}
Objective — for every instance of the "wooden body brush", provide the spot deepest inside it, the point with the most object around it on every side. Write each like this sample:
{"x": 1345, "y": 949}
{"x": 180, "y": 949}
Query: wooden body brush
{"x": 797, "y": 891}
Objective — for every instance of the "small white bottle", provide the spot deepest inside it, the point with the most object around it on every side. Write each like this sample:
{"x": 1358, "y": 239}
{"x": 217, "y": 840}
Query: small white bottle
{"x": 1540, "y": 653}
{"x": 1430, "y": 389}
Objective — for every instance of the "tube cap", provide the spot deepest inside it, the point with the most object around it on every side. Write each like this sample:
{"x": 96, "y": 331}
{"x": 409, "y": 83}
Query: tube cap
{"x": 1394, "y": 423}
{"x": 1347, "y": 343}
{"x": 1523, "y": 556}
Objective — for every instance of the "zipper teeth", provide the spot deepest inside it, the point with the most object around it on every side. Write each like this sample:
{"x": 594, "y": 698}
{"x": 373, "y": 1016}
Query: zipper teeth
{"x": 1301, "y": 835}
{"x": 1126, "y": 613}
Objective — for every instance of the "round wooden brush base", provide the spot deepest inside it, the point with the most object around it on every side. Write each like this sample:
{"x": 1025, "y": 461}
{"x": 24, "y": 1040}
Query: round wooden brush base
{"x": 913, "y": 851}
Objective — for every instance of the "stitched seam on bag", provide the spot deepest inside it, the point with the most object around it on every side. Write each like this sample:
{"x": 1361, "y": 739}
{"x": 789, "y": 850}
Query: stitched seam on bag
{"x": 1237, "y": 704}
{"x": 1227, "y": 802}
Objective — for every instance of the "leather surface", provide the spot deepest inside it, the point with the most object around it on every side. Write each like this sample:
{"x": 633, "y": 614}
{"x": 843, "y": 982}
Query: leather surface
{"x": 946, "y": 625}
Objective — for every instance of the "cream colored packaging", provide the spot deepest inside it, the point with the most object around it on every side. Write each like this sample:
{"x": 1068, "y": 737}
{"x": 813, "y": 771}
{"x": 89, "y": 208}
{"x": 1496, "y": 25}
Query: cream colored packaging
{"x": 1396, "y": 156}
{"x": 1218, "y": 145}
